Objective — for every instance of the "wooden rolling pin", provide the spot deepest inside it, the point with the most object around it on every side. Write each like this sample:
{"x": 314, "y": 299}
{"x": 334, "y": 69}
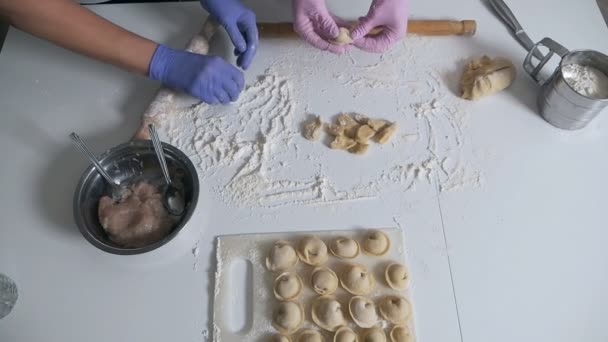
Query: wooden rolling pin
{"x": 419, "y": 27}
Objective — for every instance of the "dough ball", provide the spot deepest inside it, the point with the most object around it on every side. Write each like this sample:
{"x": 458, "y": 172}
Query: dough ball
{"x": 344, "y": 248}
{"x": 343, "y": 38}
{"x": 345, "y": 334}
{"x": 282, "y": 257}
{"x": 395, "y": 309}
{"x": 312, "y": 251}
{"x": 324, "y": 281}
{"x": 386, "y": 133}
{"x": 374, "y": 335}
{"x": 376, "y": 243}
{"x": 288, "y": 317}
{"x": 281, "y": 338}
{"x": 359, "y": 149}
{"x": 327, "y": 313}
{"x": 401, "y": 333}
{"x": 313, "y": 129}
{"x": 310, "y": 335}
{"x": 486, "y": 76}
{"x": 363, "y": 311}
{"x": 342, "y": 142}
{"x": 287, "y": 286}
{"x": 396, "y": 276}
{"x": 357, "y": 280}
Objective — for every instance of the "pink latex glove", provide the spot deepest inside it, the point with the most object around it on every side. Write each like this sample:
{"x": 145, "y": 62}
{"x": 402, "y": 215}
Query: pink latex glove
{"x": 314, "y": 24}
{"x": 391, "y": 15}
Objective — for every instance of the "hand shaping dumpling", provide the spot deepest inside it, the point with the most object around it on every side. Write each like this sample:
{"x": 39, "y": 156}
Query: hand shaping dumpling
{"x": 327, "y": 313}
{"x": 374, "y": 335}
{"x": 345, "y": 334}
{"x": 324, "y": 281}
{"x": 312, "y": 251}
{"x": 280, "y": 338}
{"x": 288, "y": 317}
{"x": 376, "y": 243}
{"x": 344, "y": 248}
{"x": 287, "y": 286}
{"x": 310, "y": 335}
{"x": 357, "y": 280}
{"x": 363, "y": 311}
{"x": 401, "y": 333}
{"x": 396, "y": 276}
{"x": 395, "y": 309}
{"x": 282, "y": 257}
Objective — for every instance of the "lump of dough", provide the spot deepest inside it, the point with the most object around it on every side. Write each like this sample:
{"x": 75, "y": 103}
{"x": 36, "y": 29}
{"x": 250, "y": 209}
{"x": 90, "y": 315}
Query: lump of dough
{"x": 324, "y": 281}
{"x": 282, "y": 257}
{"x": 363, "y": 311}
{"x": 345, "y": 334}
{"x": 343, "y": 38}
{"x": 310, "y": 335}
{"x": 281, "y": 338}
{"x": 357, "y": 280}
{"x": 486, "y": 76}
{"x": 386, "y": 133}
{"x": 344, "y": 248}
{"x": 312, "y": 129}
{"x": 401, "y": 333}
{"x": 395, "y": 309}
{"x": 288, "y": 317}
{"x": 287, "y": 286}
{"x": 376, "y": 243}
{"x": 327, "y": 313}
{"x": 359, "y": 148}
{"x": 342, "y": 142}
{"x": 364, "y": 133}
{"x": 312, "y": 251}
{"x": 374, "y": 335}
{"x": 396, "y": 276}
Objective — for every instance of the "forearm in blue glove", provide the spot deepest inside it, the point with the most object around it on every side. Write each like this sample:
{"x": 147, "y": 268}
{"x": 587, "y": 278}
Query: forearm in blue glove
{"x": 209, "y": 78}
{"x": 239, "y": 22}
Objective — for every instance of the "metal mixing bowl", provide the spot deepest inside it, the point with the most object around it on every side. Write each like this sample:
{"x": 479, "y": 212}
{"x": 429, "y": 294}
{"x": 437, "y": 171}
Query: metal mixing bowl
{"x": 129, "y": 163}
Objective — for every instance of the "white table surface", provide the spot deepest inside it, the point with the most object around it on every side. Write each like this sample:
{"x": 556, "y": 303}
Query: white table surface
{"x": 525, "y": 250}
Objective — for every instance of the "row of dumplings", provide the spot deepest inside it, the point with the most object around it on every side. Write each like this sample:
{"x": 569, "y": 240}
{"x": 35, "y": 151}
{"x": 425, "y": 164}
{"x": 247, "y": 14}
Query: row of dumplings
{"x": 398, "y": 333}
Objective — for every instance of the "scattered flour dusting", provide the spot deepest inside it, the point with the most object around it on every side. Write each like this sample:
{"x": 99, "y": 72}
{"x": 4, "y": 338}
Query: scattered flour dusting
{"x": 195, "y": 251}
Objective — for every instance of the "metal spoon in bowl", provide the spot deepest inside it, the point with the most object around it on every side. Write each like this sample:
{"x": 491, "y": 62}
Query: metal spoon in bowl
{"x": 117, "y": 190}
{"x": 172, "y": 198}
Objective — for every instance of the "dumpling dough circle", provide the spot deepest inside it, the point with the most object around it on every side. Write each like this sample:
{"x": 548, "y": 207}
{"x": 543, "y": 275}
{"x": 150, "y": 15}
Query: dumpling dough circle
{"x": 376, "y": 243}
{"x": 281, "y": 338}
{"x": 324, "y": 281}
{"x": 327, "y": 313}
{"x": 401, "y": 333}
{"x": 345, "y": 334}
{"x": 344, "y": 248}
{"x": 395, "y": 309}
{"x": 357, "y": 280}
{"x": 374, "y": 335}
{"x": 310, "y": 335}
{"x": 363, "y": 311}
{"x": 396, "y": 276}
{"x": 312, "y": 251}
{"x": 287, "y": 286}
{"x": 343, "y": 38}
{"x": 282, "y": 257}
{"x": 288, "y": 317}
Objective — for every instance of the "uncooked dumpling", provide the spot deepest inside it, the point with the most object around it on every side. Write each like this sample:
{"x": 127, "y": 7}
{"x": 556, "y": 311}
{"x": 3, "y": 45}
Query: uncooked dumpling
{"x": 312, "y": 129}
{"x": 486, "y": 76}
{"x": 287, "y": 286}
{"x": 327, "y": 313}
{"x": 363, "y": 311}
{"x": 345, "y": 334}
{"x": 280, "y": 338}
{"x": 288, "y": 317}
{"x": 396, "y": 276}
{"x": 282, "y": 257}
{"x": 344, "y": 248}
{"x": 343, "y": 38}
{"x": 401, "y": 333}
{"x": 357, "y": 280}
{"x": 310, "y": 335}
{"x": 376, "y": 243}
{"x": 386, "y": 133}
{"x": 374, "y": 335}
{"x": 395, "y": 309}
{"x": 312, "y": 251}
{"x": 324, "y": 281}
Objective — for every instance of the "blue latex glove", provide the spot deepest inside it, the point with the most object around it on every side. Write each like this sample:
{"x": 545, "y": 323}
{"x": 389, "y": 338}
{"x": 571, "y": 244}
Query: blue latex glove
{"x": 239, "y": 22}
{"x": 209, "y": 78}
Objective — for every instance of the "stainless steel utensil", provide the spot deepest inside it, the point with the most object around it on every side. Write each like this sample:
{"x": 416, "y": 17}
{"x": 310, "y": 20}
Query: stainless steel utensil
{"x": 172, "y": 198}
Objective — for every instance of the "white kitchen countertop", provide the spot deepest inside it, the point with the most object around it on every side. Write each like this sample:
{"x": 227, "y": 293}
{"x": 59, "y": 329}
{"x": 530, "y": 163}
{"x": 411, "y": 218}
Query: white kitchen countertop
{"x": 523, "y": 255}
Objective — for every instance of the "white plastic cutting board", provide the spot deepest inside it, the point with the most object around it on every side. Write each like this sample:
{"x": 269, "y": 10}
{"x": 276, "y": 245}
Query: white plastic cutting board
{"x": 244, "y": 299}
